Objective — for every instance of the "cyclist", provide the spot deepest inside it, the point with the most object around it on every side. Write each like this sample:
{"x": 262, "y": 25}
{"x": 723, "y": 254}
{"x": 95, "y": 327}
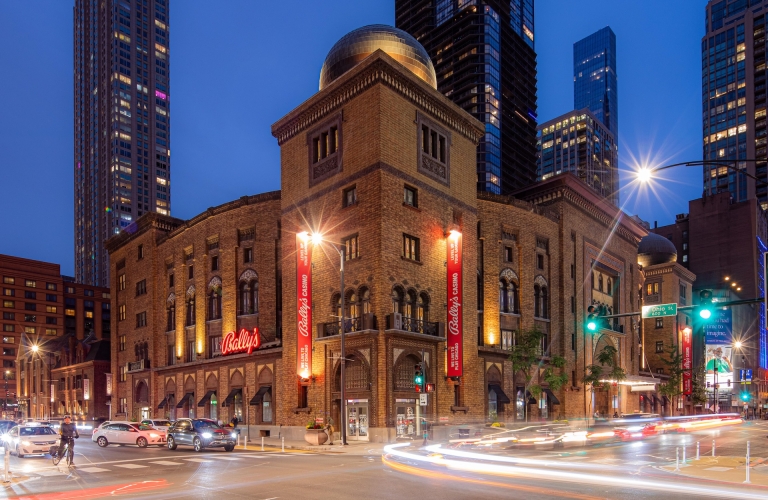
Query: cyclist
{"x": 68, "y": 433}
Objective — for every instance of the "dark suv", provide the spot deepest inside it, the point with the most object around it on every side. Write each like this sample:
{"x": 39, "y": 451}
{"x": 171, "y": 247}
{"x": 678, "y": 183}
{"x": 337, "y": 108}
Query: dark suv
{"x": 199, "y": 433}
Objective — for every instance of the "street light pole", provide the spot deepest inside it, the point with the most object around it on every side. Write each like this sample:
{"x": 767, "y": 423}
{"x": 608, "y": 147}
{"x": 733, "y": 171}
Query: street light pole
{"x": 343, "y": 355}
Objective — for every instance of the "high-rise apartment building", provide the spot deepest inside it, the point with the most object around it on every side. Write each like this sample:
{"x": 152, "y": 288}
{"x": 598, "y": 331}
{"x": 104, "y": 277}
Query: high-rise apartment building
{"x": 483, "y": 53}
{"x": 578, "y": 142}
{"x": 733, "y": 98}
{"x": 122, "y": 123}
{"x": 595, "y": 83}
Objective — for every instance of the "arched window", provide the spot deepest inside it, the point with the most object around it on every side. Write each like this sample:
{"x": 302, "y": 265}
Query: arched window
{"x": 507, "y": 296}
{"x": 600, "y": 282}
{"x": 537, "y": 301}
{"x": 544, "y": 303}
{"x": 214, "y": 303}
{"x": 253, "y": 297}
{"x": 410, "y": 305}
{"x": 422, "y": 310}
{"x": 242, "y": 298}
{"x": 190, "y": 311}
{"x": 365, "y": 300}
{"x": 336, "y": 304}
{"x": 170, "y": 317}
{"x": 609, "y": 286}
{"x": 353, "y": 306}
{"x": 397, "y": 300}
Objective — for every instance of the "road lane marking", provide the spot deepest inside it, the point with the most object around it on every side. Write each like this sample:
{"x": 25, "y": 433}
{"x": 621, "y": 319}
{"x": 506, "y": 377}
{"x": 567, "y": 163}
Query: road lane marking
{"x": 131, "y": 466}
{"x": 92, "y": 469}
{"x": 719, "y": 469}
{"x": 200, "y": 460}
{"x": 166, "y": 462}
{"x": 225, "y": 458}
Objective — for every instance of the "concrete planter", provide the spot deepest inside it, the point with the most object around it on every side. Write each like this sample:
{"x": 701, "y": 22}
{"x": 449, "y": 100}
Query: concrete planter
{"x": 315, "y": 437}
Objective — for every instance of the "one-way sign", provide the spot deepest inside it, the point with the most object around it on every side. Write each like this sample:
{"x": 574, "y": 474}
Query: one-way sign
{"x": 660, "y": 310}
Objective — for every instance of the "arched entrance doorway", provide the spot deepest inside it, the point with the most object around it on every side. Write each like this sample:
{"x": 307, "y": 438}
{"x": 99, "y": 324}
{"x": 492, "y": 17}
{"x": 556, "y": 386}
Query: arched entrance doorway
{"x": 357, "y": 382}
{"x": 141, "y": 401}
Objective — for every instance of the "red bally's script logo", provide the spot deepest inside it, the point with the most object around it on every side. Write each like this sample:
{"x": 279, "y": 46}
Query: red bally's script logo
{"x": 242, "y": 341}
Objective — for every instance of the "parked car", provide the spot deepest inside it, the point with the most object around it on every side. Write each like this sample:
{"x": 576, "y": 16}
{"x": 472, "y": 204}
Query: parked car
{"x": 200, "y": 433}
{"x": 31, "y": 439}
{"x": 159, "y": 424}
{"x": 127, "y": 433}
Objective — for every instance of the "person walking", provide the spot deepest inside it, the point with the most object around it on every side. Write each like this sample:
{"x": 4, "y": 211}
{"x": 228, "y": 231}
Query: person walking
{"x": 235, "y": 421}
{"x": 68, "y": 433}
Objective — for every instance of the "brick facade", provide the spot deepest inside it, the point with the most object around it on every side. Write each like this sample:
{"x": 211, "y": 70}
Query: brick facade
{"x": 394, "y": 302}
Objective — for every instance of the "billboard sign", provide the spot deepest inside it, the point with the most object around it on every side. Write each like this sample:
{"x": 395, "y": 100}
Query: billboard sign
{"x": 719, "y": 329}
{"x": 687, "y": 348}
{"x": 455, "y": 299}
{"x": 719, "y": 367}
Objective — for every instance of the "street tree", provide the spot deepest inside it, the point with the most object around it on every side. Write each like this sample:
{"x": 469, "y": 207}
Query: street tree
{"x": 606, "y": 369}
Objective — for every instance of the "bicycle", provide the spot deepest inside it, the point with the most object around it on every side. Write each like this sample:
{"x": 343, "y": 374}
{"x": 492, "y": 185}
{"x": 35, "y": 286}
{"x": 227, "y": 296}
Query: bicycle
{"x": 68, "y": 451}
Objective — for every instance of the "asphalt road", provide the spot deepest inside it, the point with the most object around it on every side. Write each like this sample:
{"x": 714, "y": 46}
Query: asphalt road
{"x": 161, "y": 473}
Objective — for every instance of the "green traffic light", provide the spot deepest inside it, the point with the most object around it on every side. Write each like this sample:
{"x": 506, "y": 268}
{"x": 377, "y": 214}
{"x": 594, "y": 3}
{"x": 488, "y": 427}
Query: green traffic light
{"x": 705, "y": 313}
{"x": 745, "y": 396}
{"x": 591, "y": 326}
{"x": 418, "y": 380}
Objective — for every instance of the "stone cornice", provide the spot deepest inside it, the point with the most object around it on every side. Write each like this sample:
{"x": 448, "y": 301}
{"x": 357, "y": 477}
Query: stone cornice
{"x": 378, "y": 68}
{"x": 670, "y": 268}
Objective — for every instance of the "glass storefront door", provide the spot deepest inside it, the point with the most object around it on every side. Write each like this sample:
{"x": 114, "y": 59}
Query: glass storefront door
{"x": 405, "y": 415}
{"x": 357, "y": 419}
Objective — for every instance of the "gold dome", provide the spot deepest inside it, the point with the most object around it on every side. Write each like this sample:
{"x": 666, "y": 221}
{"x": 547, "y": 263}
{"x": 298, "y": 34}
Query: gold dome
{"x": 362, "y": 42}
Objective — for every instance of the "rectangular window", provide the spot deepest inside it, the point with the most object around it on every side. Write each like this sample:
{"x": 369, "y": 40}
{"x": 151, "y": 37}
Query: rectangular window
{"x": 88, "y": 293}
{"x": 140, "y": 252}
{"x": 30, "y": 318}
{"x": 685, "y": 257}
{"x": 50, "y": 309}
{"x": 411, "y": 250}
{"x": 121, "y": 312}
{"x": 508, "y": 254}
{"x": 141, "y": 287}
{"x": 247, "y": 255}
{"x": 659, "y": 322}
{"x": 50, "y": 331}
{"x": 303, "y": 396}
{"x": 190, "y": 354}
{"x": 51, "y": 320}
{"x": 170, "y": 280}
{"x": 30, "y": 295}
{"x": 660, "y": 346}
{"x": 215, "y": 263}
{"x": 123, "y": 377}
{"x": 170, "y": 352}
{"x": 9, "y": 303}
{"x": 351, "y": 250}
{"x": 215, "y": 345}
{"x": 141, "y": 319}
{"x": 89, "y": 314}
{"x": 8, "y": 280}
{"x": 69, "y": 312}
{"x": 69, "y": 289}
{"x": 121, "y": 282}
{"x": 29, "y": 329}
{"x": 349, "y": 196}
{"x": 191, "y": 272}
{"x": 410, "y": 196}
{"x": 539, "y": 261}
{"x": 9, "y": 292}
{"x": 8, "y": 328}
{"x": 50, "y": 286}
{"x": 507, "y": 339}
{"x": 50, "y": 297}
{"x": 9, "y": 340}
{"x": 121, "y": 343}
{"x": 30, "y": 283}
{"x": 9, "y": 315}
{"x": 29, "y": 306}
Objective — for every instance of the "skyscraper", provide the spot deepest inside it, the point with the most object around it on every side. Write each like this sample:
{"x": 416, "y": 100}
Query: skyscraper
{"x": 733, "y": 95}
{"x": 594, "y": 77}
{"x": 122, "y": 123}
{"x": 483, "y": 53}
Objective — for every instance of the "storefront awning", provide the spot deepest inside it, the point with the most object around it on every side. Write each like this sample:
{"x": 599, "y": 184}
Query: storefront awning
{"x": 259, "y": 396}
{"x": 231, "y": 396}
{"x": 188, "y": 397}
{"x": 551, "y": 396}
{"x": 205, "y": 399}
{"x": 162, "y": 404}
{"x": 500, "y": 396}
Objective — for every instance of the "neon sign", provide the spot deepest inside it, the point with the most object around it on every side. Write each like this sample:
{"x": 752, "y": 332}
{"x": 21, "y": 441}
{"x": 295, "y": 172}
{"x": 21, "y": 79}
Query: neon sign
{"x": 242, "y": 341}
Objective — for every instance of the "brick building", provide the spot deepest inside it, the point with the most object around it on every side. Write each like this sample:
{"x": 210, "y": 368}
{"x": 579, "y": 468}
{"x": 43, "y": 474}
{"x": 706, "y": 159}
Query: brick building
{"x": 383, "y": 167}
{"x": 55, "y": 335}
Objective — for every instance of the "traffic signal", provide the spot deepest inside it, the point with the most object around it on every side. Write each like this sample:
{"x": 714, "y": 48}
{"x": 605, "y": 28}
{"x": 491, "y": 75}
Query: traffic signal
{"x": 745, "y": 396}
{"x": 590, "y": 325}
{"x": 430, "y": 387}
{"x": 705, "y": 304}
{"x": 418, "y": 377}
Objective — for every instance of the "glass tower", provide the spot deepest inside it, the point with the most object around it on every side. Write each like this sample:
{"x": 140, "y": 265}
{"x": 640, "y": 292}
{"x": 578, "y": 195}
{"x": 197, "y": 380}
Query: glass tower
{"x": 483, "y": 53}
{"x": 122, "y": 117}
{"x": 594, "y": 77}
{"x": 733, "y": 97}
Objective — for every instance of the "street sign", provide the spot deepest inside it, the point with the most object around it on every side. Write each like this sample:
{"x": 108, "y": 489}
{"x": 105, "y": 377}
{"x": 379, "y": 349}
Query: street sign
{"x": 422, "y": 399}
{"x": 660, "y": 310}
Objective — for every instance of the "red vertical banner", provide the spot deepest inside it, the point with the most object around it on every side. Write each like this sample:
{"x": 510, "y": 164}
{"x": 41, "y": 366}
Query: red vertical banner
{"x": 304, "y": 305}
{"x": 687, "y": 362}
{"x": 455, "y": 322}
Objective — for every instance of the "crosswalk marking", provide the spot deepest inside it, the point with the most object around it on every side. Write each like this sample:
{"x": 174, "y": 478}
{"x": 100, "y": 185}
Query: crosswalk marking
{"x": 719, "y": 469}
{"x": 200, "y": 460}
{"x": 224, "y": 458}
{"x": 92, "y": 469}
{"x": 131, "y": 466}
{"x": 166, "y": 462}
{"x": 49, "y": 472}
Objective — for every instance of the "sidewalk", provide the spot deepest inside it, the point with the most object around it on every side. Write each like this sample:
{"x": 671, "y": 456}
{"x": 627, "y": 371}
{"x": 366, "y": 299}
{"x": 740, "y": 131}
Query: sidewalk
{"x": 727, "y": 469}
{"x": 352, "y": 448}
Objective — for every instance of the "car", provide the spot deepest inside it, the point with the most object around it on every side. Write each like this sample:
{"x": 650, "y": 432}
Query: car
{"x": 31, "y": 439}
{"x": 123, "y": 433}
{"x": 200, "y": 433}
{"x": 159, "y": 424}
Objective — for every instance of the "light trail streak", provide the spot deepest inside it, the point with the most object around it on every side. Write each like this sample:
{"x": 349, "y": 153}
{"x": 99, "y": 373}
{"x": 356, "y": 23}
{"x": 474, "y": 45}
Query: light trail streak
{"x": 561, "y": 475}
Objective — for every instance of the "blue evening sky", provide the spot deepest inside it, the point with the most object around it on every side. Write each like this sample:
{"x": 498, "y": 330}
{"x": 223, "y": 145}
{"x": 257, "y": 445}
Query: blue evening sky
{"x": 237, "y": 66}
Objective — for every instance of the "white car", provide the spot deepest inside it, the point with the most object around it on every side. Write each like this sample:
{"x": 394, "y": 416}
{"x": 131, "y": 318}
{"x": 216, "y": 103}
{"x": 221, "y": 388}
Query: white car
{"x": 159, "y": 424}
{"x": 128, "y": 433}
{"x": 31, "y": 439}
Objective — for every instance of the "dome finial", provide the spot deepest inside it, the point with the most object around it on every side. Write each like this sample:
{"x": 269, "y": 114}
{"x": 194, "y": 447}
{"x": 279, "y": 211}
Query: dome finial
{"x": 362, "y": 42}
